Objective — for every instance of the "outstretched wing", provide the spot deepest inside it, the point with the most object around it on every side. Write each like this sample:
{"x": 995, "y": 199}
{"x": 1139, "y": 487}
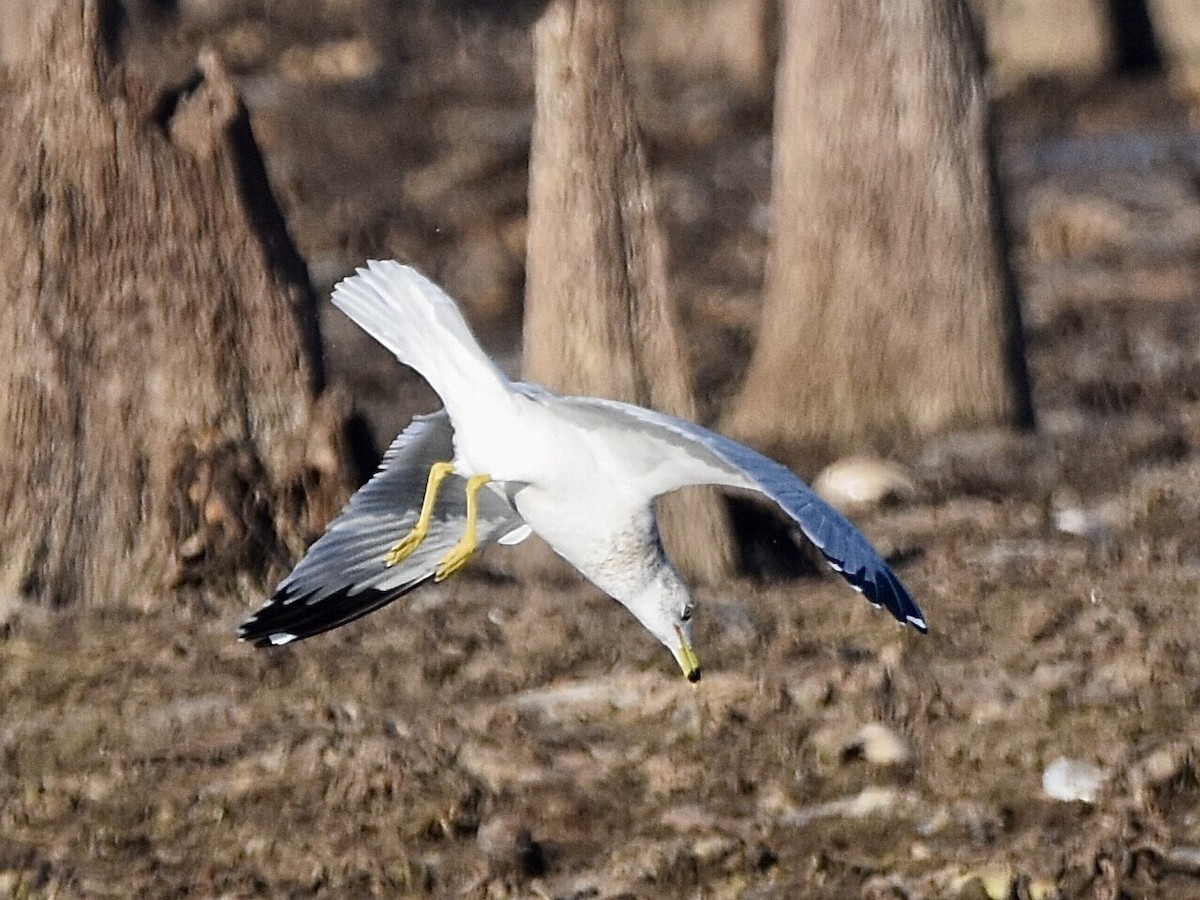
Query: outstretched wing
{"x": 343, "y": 576}
{"x": 701, "y": 456}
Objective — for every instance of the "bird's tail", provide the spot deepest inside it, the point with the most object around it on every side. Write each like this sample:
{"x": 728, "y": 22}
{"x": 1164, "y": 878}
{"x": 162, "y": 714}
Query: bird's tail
{"x": 421, "y": 325}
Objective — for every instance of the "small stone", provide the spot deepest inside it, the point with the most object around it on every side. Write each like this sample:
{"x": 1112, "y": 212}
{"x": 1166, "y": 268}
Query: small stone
{"x": 859, "y": 482}
{"x": 713, "y": 848}
{"x": 1071, "y": 516}
{"x": 997, "y": 882}
{"x": 1165, "y": 763}
{"x": 879, "y": 745}
{"x": 1072, "y": 779}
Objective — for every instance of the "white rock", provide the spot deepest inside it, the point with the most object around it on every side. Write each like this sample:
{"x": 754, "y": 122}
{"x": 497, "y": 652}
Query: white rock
{"x": 1072, "y": 779}
{"x": 881, "y": 746}
{"x": 855, "y": 482}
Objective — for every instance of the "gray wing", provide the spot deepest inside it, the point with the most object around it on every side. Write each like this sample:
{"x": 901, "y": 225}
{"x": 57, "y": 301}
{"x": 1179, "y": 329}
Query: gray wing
{"x": 343, "y": 576}
{"x": 706, "y": 457}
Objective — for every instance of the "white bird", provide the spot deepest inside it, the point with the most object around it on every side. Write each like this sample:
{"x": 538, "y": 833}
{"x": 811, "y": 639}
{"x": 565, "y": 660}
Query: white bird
{"x": 504, "y": 459}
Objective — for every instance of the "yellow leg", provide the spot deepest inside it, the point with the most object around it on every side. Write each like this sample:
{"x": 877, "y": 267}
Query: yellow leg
{"x": 469, "y": 542}
{"x": 411, "y": 541}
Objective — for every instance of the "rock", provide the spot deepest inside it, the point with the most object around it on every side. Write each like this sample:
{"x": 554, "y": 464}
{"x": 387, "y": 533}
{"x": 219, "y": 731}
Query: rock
{"x": 997, "y": 883}
{"x": 1072, "y": 779}
{"x": 879, "y": 745}
{"x": 861, "y": 482}
{"x": 1166, "y": 763}
{"x": 993, "y": 882}
{"x": 713, "y": 848}
{"x": 1071, "y": 515}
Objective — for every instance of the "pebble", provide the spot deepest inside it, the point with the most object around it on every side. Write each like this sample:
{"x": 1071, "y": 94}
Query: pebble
{"x": 1165, "y": 763}
{"x": 1072, "y": 779}
{"x": 880, "y": 746}
{"x": 859, "y": 482}
{"x": 997, "y": 882}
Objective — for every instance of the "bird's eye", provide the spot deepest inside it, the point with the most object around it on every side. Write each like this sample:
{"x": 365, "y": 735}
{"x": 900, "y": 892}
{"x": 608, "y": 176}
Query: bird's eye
{"x": 686, "y": 615}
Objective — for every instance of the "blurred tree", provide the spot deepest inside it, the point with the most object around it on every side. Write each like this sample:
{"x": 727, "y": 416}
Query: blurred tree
{"x": 159, "y": 391}
{"x": 1175, "y": 38}
{"x": 889, "y": 307}
{"x": 16, "y": 41}
{"x": 1069, "y": 40}
{"x": 597, "y": 315}
{"x": 732, "y": 40}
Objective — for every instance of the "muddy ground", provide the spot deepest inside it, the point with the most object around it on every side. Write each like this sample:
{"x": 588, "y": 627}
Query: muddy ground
{"x": 493, "y": 738}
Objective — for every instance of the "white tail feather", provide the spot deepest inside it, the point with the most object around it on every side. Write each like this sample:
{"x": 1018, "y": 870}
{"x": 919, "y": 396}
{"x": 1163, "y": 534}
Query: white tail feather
{"x": 414, "y": 319}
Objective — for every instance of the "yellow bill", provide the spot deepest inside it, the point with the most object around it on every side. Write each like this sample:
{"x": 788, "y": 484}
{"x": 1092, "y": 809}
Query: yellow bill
{"x": 689, "y": 661}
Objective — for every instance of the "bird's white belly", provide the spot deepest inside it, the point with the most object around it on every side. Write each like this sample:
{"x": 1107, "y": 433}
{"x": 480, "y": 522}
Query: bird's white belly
{"x": 592, "y": 523}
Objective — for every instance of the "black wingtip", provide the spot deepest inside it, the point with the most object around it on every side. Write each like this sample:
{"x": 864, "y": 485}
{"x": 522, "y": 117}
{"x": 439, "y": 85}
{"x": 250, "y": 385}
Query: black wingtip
{"x": 289, "y": 617}
{"x": 904, "y": 607}
{"x": 883, "y": 588}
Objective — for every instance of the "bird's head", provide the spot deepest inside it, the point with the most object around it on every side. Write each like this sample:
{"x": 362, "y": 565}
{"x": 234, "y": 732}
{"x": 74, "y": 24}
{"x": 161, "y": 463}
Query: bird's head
{"x": 665, "y": 608}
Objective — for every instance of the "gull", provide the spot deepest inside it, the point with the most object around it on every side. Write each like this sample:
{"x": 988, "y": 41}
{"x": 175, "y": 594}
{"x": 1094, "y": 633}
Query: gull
{"x": 505, "y": 459}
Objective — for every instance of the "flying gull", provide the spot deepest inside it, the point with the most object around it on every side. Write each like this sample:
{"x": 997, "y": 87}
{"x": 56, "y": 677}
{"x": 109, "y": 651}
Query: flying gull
{"x": 505, "y": 459}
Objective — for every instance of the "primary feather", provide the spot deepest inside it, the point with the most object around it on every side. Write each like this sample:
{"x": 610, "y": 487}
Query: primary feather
{"x": 343, "y": 575}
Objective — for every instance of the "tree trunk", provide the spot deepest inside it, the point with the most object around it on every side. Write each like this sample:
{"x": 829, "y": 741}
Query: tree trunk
{"x": 160, "y": 381}
{"x": 1031, "y": 39}
{"x": 16, "y": 39}
{"x": 731, "y": 40}
{"x": 597, "y": 316}
{"x": 1177, "y": 27}
{"x": 889, "y": 308}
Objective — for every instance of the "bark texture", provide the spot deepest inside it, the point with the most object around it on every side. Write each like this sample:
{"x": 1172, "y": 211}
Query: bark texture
{"x": 1177, "y": 28}
{"x": 733, "y": 40}
{"x": 160, "y": 381}
{"x": 16, "y": 38}
{"x": 1030, "y": 39}
{"x": 888, "y": 304}
{"x": 597, "y": 316}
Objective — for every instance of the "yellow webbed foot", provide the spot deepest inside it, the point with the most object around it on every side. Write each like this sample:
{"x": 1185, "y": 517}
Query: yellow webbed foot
{"x": 469, "y": 542}
{"x": 408, "y": 544}
{"x": 458, "y": 556}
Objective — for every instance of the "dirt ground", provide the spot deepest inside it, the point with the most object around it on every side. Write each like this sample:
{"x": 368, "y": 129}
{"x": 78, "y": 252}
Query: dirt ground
{"x": 493, "y": 738}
